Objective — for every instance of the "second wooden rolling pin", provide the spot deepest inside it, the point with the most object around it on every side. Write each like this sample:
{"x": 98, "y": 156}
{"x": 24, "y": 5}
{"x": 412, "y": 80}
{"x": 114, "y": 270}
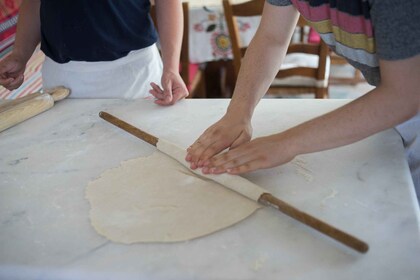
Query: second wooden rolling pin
{"x": 245, "y": 187}
{"x": 18, "y": 110}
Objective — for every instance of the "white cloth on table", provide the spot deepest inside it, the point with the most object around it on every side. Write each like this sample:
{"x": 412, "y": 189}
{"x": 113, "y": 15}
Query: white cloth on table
{"x": 128, "y": 77}
{"x": 209, "y": 35}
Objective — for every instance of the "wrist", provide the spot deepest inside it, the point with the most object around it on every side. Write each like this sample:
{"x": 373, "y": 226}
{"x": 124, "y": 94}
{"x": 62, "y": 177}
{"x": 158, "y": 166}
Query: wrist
{"x": 291, "y": 141}
{"x": 240, "y": 111}
{"x": 171, "y": 67}
{"x": 238, "y": 117}
{"x": 169, "y": 71}
{"x": 20, "y": 55}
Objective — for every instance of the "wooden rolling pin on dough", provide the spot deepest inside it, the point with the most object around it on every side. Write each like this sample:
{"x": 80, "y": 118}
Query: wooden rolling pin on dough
{"x": 251, "y": 191}
{"x": 17, "y": 110}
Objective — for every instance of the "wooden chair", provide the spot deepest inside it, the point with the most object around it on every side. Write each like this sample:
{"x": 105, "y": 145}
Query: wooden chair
{"x": 305, "y": 68}
{"x": 336, "y": 60}
{"x": 354, "y": 80}
{"x": 191, "y": 74}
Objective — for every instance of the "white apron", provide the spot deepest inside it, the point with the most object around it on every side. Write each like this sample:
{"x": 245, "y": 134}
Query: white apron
{"x": 128, "y": 77}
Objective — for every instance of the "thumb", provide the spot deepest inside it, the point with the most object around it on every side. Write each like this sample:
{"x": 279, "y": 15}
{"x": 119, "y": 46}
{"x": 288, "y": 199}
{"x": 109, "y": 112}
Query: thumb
{"x": 239, "y": 141}
{"x": 167, "y": 90}
{"x": 5, "y": 68}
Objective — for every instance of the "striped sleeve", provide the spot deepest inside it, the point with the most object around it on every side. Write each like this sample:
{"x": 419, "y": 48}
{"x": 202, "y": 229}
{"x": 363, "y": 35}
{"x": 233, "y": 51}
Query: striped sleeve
{"x": 344, "y": 25}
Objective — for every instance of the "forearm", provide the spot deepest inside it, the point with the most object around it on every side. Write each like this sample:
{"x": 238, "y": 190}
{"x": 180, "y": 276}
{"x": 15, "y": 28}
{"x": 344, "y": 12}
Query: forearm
{"x": 170, "y": 23}
{"x": 258, "y": 69}
{"x": 28, "y": 33}
{"x": 262, "y": 61}
{"x": 380, "y": 109}
{"x": 396, "y": 100}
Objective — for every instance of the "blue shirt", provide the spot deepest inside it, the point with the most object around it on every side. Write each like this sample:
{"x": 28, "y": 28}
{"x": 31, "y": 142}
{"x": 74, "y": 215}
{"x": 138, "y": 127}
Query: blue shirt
{"x": 94, "y": 30}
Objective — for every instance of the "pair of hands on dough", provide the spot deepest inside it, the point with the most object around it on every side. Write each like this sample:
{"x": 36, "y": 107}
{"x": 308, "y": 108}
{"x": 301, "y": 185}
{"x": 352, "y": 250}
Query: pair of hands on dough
{"x": 244, "y": 155}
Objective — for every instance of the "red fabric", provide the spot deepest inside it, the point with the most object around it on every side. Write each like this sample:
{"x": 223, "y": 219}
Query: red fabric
{"x": 313, "y": 36}
{"x": 33, "y": 80}
{"x": 193, "y": 71}
{"x": 8, "y": 15}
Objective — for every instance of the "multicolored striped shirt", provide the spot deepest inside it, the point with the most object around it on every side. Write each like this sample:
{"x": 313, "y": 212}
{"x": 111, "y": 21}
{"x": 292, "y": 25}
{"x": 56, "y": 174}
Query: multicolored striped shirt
{"x": 364, "y": 31}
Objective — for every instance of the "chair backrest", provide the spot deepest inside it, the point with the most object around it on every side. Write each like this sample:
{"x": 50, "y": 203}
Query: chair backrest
{"x": 321, "y": 50}
{"x": 185, "y": 58}
{"x": 254, "y": 8}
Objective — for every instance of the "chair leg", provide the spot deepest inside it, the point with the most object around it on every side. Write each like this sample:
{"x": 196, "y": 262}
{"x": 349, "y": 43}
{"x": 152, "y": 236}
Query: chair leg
{"x": 321, "y": 93}
{"x": 198, "y": 86}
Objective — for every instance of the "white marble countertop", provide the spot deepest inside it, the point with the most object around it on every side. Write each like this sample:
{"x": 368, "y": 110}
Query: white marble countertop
{"x": 47, "y": 161}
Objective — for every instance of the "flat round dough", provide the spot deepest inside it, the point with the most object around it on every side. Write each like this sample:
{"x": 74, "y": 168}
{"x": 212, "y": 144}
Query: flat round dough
{"x": 156, "y": 199}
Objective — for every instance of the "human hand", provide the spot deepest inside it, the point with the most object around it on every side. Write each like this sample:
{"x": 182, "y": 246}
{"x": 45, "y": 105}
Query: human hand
{"x": 11, "y": 71}
{"x": 173, "y": 90}
{"x": 260, "y": 153}
{"x": 228, "y": 132}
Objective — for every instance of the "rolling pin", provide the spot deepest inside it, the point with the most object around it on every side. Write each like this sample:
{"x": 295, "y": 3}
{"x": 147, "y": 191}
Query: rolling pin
{"x": 20, "y": 109}
{"x": 249, "y": 190}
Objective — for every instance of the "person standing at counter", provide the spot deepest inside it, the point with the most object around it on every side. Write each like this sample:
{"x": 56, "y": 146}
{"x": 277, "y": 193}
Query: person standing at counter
{"x": 381, "y": 38}
{"x": 101, "y": 48}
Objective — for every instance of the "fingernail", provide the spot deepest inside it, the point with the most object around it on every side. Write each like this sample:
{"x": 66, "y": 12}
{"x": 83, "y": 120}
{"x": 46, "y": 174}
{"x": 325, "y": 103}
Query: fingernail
{"x": 188, "y": 157}
{"x": 205, "y": 170}
{"x": 200, "y": 163}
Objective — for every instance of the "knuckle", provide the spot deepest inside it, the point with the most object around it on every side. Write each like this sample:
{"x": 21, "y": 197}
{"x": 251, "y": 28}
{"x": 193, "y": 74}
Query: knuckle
{"x": 209, "y": 152}
{"x": 234, "y": 162}
{"x": 217, "y": 132}
{"x": 263, "y": 158}
{"x": 198, "y": 154}
{"x": 244, "y": 168}
{"x": 225, "y": 157}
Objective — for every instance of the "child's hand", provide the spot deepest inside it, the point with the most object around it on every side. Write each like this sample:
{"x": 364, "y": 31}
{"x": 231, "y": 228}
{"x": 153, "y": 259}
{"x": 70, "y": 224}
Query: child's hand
{"x": 228, "y": 132}
{"x": 260, "y": 153}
